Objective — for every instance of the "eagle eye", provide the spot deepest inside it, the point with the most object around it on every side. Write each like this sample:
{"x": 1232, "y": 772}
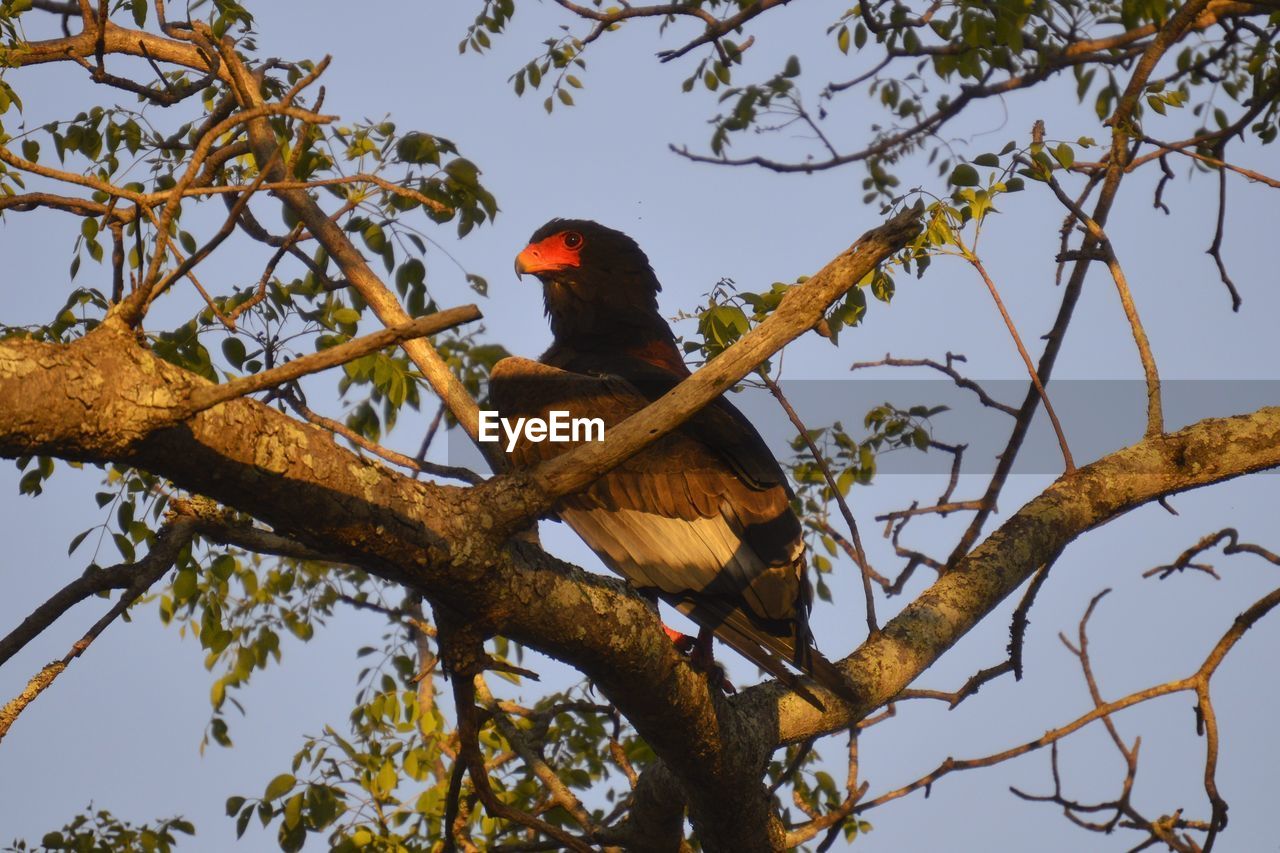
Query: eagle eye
{"x": 572, "y": 240}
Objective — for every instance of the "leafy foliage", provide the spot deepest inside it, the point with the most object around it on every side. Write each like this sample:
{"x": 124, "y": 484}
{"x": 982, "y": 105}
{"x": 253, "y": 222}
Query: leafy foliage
{"x": 101, "y": 832}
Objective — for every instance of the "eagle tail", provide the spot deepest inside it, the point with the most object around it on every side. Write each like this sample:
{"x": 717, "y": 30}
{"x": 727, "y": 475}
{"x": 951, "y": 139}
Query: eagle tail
{"x": 773, "y": 653}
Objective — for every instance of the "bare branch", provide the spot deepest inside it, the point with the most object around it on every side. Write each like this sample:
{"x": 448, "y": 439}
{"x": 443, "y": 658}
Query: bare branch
{"x": 1215, "y": 249}
{"x": 976, "y": 262}
{"x": 1234, "y": 546}
{"x": 960, "y": 380}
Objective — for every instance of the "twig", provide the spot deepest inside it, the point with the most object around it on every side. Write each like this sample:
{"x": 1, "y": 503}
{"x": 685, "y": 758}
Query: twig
{"x": 208, "y": 396}
{"x": 470, "y": 756}
{"x": 847, "y": 547}
{"x": 298, "y": 404}
{"x": 1234, "y": 546}
{"x": 940, "y": 509}
{"x": 559, "y": 792}
{"x": 976, "y": 262}
{"x": 834, "y": 819}
{"x": 170, "y": 541}
{"x": 1215, "y": 249}
{"x": 1155, "y": 414}
{"x": 1198, "y": 683}
{"x": 1174, "y": 28}
{"x": 860, "y": 555}
{"x": 961, "y": 381}
{"x": 1184, "y": 149}
{"x": 1017, "y": 634}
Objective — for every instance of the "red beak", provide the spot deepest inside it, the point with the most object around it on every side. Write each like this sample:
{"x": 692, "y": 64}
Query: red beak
{"x": 549, "y": 255}
{"x": 529, "y": 261}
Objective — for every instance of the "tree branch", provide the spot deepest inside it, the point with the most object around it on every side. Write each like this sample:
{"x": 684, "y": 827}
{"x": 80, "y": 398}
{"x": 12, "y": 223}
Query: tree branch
{"x": 170, "y": 541}
{"x": 212, "y": 395}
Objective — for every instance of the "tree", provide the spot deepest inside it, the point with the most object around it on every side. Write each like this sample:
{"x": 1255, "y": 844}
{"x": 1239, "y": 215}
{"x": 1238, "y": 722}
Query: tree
{"x": 250, "y": 516}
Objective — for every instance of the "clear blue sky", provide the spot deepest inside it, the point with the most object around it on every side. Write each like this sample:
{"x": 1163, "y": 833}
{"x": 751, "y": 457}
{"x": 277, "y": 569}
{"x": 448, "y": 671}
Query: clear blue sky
{"x": 121, "y": 727}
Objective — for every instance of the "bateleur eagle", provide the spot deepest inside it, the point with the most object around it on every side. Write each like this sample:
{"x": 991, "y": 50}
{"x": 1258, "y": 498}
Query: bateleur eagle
{"x": 702, "y": 518}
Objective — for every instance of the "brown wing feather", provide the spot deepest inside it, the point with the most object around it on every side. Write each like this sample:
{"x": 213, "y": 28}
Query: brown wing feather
{"x": 721, "y": 546}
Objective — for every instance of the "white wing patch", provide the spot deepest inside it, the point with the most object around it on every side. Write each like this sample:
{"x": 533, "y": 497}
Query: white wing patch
{"x": 678, "y": 556}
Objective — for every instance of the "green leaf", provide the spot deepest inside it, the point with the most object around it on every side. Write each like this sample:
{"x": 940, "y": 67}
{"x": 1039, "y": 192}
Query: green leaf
{"x": 293, "y": 810}
{"x": 234, "y": 351}
{"x": 80, "y": 537}
{"x": 279, "y": 786}
{"x": 1064, "y": 155}
{"x": 386, "y": 779}
{"x": 184, "y": 585}
{"x": 234, "y": 804}
{"x": 418, "y": 148}
{"x": 124, "y": 546}
{"x": 964, "y": 175}
{"x": 224, "y": 565}
{"x": 412, "y": 274}
{"x": 375, "y": 238}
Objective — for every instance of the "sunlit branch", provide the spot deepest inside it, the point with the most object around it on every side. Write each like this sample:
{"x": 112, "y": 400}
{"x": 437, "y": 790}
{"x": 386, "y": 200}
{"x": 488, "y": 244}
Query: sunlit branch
{"x": 978, "y": 266}
{"x": 1155, "y": 413}
{"x": 418, "y": 465}
{"x": 211, "y": 395}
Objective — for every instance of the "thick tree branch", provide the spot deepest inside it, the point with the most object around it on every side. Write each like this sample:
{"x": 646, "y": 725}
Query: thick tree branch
{"x": 1207, "y": 452}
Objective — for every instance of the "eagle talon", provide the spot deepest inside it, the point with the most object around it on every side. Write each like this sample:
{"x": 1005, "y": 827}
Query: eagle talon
{"x": 714, "y": 671}
{"x": 702, "y": 658}
{"x": 717, "y": 678}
